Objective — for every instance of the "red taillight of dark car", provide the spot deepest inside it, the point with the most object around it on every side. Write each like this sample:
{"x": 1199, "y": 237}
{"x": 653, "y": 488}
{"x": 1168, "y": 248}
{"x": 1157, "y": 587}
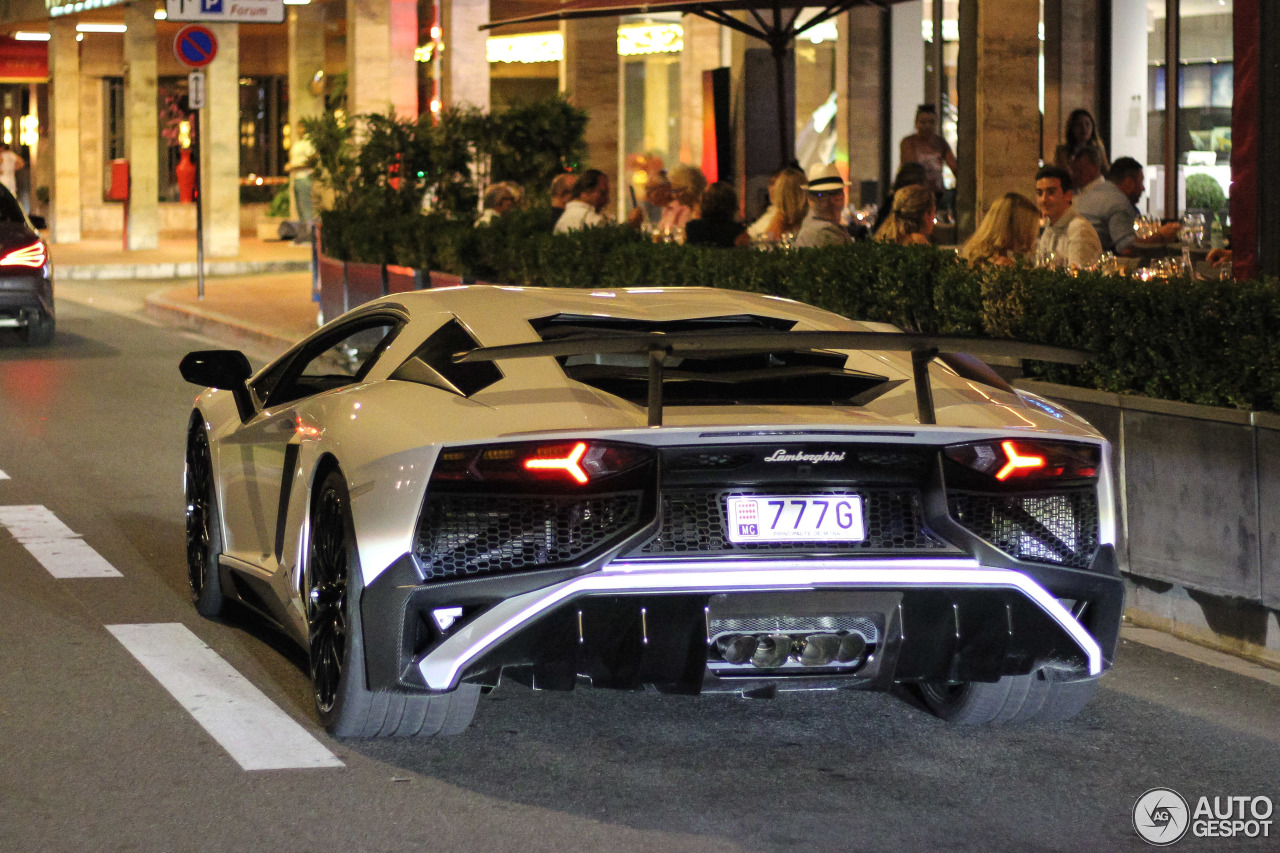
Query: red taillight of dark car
{"x": 1028, "y": 460}
{"x": 28, "y": 256}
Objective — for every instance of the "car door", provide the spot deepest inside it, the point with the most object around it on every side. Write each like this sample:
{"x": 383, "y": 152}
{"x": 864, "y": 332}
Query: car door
{"x": 262, "y": 454}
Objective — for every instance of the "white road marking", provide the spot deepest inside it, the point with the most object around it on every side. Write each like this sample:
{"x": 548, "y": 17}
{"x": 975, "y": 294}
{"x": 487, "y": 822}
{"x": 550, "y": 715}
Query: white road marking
{"x": 248, "y": 725}
{"x": 3, "y": 476}
{"x": 58, "y": 548}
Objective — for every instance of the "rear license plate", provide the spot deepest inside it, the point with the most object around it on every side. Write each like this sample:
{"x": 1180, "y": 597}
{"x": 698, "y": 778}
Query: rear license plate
{"x": 796, "y": 518}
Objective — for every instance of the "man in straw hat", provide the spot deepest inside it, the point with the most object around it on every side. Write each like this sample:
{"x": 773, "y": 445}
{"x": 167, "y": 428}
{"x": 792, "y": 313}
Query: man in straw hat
{"x": 821, "y": 227}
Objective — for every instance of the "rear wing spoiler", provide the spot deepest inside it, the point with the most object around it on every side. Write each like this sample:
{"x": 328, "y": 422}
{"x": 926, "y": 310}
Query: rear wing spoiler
{"x": 709, "y": 344}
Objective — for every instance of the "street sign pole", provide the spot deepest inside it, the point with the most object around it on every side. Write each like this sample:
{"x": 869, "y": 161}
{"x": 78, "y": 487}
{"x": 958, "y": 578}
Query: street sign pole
{"x": 199, "y": 210}
{"x": 196, "y": 46}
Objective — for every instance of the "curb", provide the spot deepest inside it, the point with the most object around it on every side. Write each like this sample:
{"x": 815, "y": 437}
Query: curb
{"x": 184, "y": 269}
{"x": 235, "y": 333}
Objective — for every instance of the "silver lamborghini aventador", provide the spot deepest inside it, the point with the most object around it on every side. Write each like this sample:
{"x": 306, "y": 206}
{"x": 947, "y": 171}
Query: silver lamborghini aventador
{"x": 693, "y": 489}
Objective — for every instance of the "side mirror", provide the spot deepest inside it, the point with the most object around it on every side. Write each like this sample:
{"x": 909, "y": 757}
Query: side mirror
{"x": 38, "y": 222}
{"x": 225, "y": 369}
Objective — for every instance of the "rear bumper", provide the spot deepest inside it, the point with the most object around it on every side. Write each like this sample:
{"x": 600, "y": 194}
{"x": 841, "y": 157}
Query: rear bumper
{"x": 647, "y": 621}
{"x": 25, "y": 293}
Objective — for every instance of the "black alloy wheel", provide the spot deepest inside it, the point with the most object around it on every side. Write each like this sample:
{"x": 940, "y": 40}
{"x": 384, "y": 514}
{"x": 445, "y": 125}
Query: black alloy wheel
{"x": 204, "y": 538}
{"x": 329, "y": 566}
{"x": 346, "y": 704}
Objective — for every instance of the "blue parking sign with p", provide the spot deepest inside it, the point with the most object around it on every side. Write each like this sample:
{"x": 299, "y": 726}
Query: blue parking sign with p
{"x": 211, "y": 6}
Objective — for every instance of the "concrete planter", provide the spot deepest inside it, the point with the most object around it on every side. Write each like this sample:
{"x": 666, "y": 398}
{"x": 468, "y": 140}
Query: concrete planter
{"x": 1197, "y": 486}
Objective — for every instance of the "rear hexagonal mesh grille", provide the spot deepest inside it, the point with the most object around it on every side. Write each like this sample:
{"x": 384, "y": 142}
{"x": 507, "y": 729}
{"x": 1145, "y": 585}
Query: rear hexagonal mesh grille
{"x": 1059, "y": 528}
{"x": 693, "y": 521}
{"x": 466, "y": 535}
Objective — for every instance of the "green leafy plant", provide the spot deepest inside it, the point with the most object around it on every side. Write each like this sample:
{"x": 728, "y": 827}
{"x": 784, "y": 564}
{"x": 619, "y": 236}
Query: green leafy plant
{"x": 1205, "y": 193}
{"x": 279, "y": 202}
{"x": 1206, "y": 342}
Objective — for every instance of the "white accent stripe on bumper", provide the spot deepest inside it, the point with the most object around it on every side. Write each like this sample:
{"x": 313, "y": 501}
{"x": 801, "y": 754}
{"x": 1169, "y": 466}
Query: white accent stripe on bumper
{"x": 441, "y": 667}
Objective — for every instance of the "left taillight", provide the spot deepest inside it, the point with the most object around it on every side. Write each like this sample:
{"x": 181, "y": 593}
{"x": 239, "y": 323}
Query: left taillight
{"x": 27, "y": 256}
{"x": 567, "y": 462}
{"x": 1028, "y": 460}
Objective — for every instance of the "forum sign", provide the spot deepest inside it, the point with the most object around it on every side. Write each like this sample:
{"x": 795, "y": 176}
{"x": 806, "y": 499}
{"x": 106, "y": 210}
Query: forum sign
{"x": 226, "y": 11}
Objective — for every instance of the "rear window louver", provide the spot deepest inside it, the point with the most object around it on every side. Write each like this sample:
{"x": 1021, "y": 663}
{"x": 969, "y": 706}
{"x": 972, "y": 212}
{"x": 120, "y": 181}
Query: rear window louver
{"x": 800, "y": 378}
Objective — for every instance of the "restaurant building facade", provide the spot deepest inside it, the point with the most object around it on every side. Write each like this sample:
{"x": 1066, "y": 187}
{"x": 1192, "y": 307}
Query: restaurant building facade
{"x": 88, "y": 83}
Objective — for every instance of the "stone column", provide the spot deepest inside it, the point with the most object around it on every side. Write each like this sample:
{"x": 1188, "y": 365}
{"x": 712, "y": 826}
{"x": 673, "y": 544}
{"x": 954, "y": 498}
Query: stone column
{"x": 861, "y": 97}
{"x": 465, "y": 61}
{"x": 141, "y": 127}
{"x": 590, "y": 78}
{"x": 381, "y": 75}
{"x": 701, "y": 53}
{"x": 64, "y": 104}
{"x": 306, "y": 57}
{"x": 1006, "y": 117}
{"x": 1070, "y": 69}
{"x": 220, "y": 147}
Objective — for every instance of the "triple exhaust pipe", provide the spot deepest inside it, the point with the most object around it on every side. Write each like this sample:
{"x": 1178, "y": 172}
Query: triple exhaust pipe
{"x": 769, "y": 651}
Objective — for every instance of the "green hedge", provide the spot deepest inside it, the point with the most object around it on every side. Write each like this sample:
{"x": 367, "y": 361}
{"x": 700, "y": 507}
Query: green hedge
{"x": 1204, "y": 342}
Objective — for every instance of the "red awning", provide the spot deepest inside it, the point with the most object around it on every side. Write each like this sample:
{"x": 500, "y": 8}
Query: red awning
{"x": 23, "y": 61}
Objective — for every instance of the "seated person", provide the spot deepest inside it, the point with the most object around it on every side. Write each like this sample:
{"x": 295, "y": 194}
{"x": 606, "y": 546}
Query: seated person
{"x": 498, "y": 199}
{"x": 911, "y": 219}
{"x": 909, "y": 174}
{"x": 1110, "y": 209}
{"x": 821, "y": 226}
{"x": 561, "y": 194}
{"x": 788, "y": 205}
{"x": 717, "y": 224}
{"x": 1068, "y": 238}
{"x": 1007, "y": 232}
{"x": 657, "y": 195}
{"x": 687, "y": 184}
{"x": 590, "y": 195}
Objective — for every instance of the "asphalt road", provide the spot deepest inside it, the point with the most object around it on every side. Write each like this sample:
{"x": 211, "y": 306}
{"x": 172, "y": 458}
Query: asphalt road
{"x": 95, "y": 755}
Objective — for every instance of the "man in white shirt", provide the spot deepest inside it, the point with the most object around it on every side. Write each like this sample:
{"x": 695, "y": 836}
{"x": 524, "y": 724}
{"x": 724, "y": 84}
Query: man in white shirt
{"x": 821, "y": 225}
{"x": 1068, "y": 238}
{"x": 590, "y": 195}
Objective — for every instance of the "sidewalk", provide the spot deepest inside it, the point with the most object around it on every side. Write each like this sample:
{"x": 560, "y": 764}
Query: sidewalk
{"x": 261, "y": 298}
{"x": 269, "y": 312}
{"x": 107, "y": 259}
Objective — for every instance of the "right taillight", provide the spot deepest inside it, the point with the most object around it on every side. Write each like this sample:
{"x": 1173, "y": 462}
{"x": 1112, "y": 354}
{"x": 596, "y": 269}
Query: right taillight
{"x": 1028, "y": 460}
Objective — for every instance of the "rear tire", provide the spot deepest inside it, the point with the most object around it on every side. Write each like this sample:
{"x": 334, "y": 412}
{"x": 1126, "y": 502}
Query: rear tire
{"x": 204, "y": 526}
{"x": 39, "y": 331}
{"x": 346, "y": 705}
{"x": 1012, "y": 699}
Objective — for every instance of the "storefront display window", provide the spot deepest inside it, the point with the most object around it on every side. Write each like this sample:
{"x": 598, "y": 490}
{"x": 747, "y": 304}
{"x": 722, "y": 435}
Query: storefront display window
{"x": 1200, "y": 146}
{"x": 649, "y": 49}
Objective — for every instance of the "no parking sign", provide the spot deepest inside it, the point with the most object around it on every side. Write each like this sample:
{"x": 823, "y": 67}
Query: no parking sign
{"x": 195, "y": 46}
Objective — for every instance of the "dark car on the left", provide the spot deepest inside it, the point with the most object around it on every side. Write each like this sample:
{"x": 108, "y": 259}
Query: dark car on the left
{"x": 26, "y": 273}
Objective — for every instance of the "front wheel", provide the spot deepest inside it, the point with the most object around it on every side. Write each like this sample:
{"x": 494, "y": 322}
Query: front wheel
{"x": 346, "y": 705}
{"x": 204, "y": 527}
{"x": 1012, "y": 699}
